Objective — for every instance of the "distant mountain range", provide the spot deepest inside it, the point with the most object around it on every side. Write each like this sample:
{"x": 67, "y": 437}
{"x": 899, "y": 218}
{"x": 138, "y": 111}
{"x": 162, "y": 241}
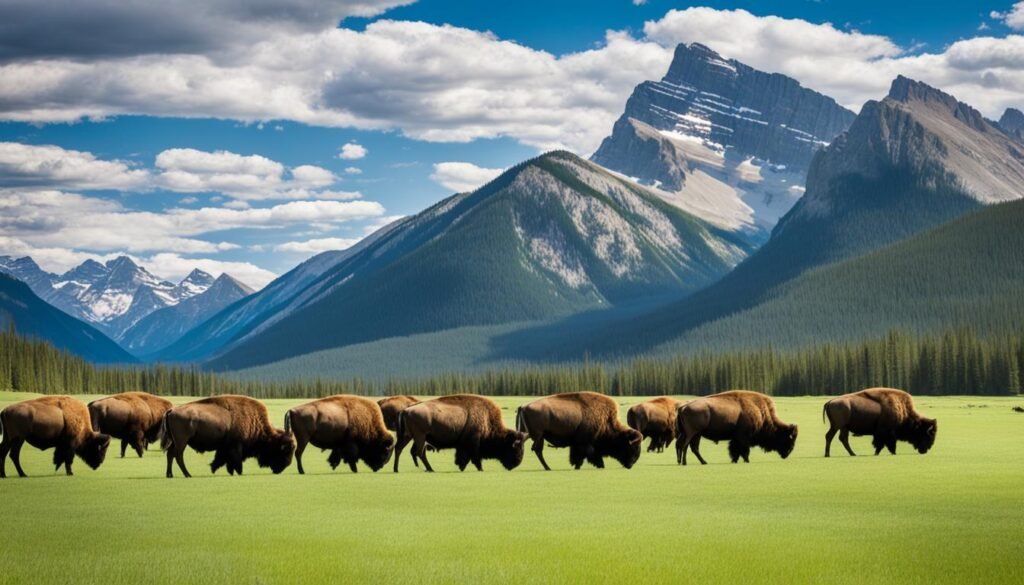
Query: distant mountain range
{"x": 725, "y": 141}
{"x": 115, "y": 297}
{"x": 737, "y": 209}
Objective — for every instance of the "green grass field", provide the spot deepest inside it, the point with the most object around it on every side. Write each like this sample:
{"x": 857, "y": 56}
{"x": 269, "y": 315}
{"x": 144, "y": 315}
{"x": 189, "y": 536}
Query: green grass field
{"x": 955, "y": 515}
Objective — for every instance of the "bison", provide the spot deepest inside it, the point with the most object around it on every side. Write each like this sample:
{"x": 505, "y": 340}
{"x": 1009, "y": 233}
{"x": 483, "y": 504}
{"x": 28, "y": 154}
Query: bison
{"x": 234, "y": 427}
{"x": 656, "y": 419}
{"x": 745, "y": 419}
{"x": 391, "y": 406}
{"x": 133, "y": 417}
{"x": 352, "y": 427}
{"x": 58, "y": 422}
{"x": 886, "y": 414}
{"x": 586, "y": 422}
{"x": 470, "y": 424}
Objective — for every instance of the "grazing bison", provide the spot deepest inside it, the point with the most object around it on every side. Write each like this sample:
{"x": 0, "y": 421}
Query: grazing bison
{"x": 391, "y": 406}
{"x": 887, "y": 415}
{"x": 133, "y": 417}
{"x": 586, "y": 422}
{"x": 58, "y": 422}
{"x": 352, "y": 427}
{"x": 655, "y": 419}
{"x": 745, "y": 419}
{"x": 234, "y": 427}
{"x": 470, "y": 424}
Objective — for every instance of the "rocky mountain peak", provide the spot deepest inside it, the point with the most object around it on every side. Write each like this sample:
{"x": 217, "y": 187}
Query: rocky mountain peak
{"x": 1012, "y": 122}
{"x": 908, "y": 91}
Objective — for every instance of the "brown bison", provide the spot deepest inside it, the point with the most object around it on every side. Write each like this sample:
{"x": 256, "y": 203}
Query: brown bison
{"x": 586, "y": 422}
{"x": 58, "y": 422}
{"x": 470, "y": 424}
{"x": 887, "y": 415}
{"x": 656, "y": 419}
{"x": 133, "y": 417}
{"x": 352, "y": 427}
{"x": 234, "y": 427}
{"x": 745, "y": 419}
{"x": 391, "y": 406}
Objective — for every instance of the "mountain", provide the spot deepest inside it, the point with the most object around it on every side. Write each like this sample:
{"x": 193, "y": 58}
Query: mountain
{"x": 913, "y": 161}
{"x": 26, "y": 270}
{"x": 166, "y": 325}
{"x": 1012, "y": 123}
{"x": 33, "y": 317}
{"x": 722, "y": 140}
{"x": 550, "y": 237}
{"x": 273, "y": 302}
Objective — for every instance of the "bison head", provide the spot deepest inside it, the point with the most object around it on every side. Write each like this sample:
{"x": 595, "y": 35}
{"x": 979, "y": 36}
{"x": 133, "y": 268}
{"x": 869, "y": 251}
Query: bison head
{"x": 377, "y": 454}
{"x": 923, "y": 435}
{"x": 276, "y": 451}
{"x": 784, "y": 440}
{"x": 94, "y": 449}
{"x": 625, "y": 448}
{"x": 510, "y": 449}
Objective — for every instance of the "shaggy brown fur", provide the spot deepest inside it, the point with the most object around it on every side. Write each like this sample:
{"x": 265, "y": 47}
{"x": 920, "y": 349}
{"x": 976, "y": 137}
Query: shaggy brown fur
{"x": 586, "y": 422}
{"x": 58, "y": 422}
{"x": 745, "y": 419}
{"x": 656, "y": 419}
{"x": 470, "y": 424}
{"x": 886, "y": 414}
{"x": 235, "y": 427}
{"x": 391, "y": 406}
{"x": 133, "y": 417}
{"x": 352, "y": 427}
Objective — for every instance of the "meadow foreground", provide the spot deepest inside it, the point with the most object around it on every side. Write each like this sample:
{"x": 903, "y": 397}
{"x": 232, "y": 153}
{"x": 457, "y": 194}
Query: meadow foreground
{"x": 952, "y": 516}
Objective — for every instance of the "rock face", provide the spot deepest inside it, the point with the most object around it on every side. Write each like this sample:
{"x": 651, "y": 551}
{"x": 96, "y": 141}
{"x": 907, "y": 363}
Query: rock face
{"x": 730, "y": 142}
{"x": 922, "y": 137}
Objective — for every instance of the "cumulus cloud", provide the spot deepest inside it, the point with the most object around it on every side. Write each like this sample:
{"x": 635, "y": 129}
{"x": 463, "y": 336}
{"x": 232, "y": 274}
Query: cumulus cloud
{"x": 316, "y": 246}
{"x": 1013, "y": 18}
{"x": 462, "y": 176}
{"x": 248, "y": 177}
{"x": 352, "y": 151}
{"x": 174, "y": 267}
{"x": 48, "y": 166}
{"x": 353, "y": 171}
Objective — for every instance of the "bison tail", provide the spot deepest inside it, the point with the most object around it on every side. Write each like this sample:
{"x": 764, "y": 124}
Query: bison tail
{"x": 400, "y": 426}
{"x": 1, "y": 423}
{"x": 521, "y": 421}
{"x": 824, "y": 412}
{"x": 165, "y": 436}
{"x": 288, "y": 422}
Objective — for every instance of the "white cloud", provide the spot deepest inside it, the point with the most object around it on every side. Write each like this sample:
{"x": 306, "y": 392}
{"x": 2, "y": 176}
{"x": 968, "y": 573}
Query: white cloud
{"x": 316, "y": 246}
{"x": 48, "y": 166}
{"x": 353, "y": 171}
{"x": 249, "y": 177}
{"x": 462, "y": 176}
{"x": 352, "y": 151}
{"x": 1013, "y": 18}
{"x": 51, "y": 219}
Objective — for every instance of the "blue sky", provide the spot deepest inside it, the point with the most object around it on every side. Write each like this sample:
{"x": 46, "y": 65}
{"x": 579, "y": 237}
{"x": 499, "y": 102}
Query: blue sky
{"x": 208, "y": 134}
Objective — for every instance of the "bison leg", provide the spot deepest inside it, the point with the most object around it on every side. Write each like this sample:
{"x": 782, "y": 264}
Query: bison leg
{"x": 220, "y": 459}
{"x": 420, "y": 448}
{"x": 179, "y": 456}
{"x": 577, "y": 455}
{"x": 681, "y": 445}
{"x": 891, "y": 445}
{"x": 828, "y": 439}
{"x": 538, "y": 448}
{"x": 16, "y": 457}
{"x": 878, "y": 442}
{"x": 844, "y": 438}
{"x": 5, "y": 447}
{"x": 595, "y": 460}
{"x": 69, "y": 458}
{"x": 462, "y": 457}
{"x": 738, "y": 449}
{"x": 695, "y": 447}
{"x": 139, "y": 442}
{"x": 300, "y": 448}
{"x": 399, "y": 446}
{"x": 124, "y": 447}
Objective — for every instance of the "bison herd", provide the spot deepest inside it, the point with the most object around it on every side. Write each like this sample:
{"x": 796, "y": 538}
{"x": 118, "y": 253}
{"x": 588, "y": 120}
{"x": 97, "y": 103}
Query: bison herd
{"x": 353, "y": 428}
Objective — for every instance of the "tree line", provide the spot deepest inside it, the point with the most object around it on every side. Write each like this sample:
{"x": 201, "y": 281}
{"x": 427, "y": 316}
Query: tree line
{"x": 956, "y": 361}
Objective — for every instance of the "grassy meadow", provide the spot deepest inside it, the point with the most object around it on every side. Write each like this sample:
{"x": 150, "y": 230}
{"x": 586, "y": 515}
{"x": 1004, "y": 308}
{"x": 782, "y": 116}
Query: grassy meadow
{"x": 955, "y": 515}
